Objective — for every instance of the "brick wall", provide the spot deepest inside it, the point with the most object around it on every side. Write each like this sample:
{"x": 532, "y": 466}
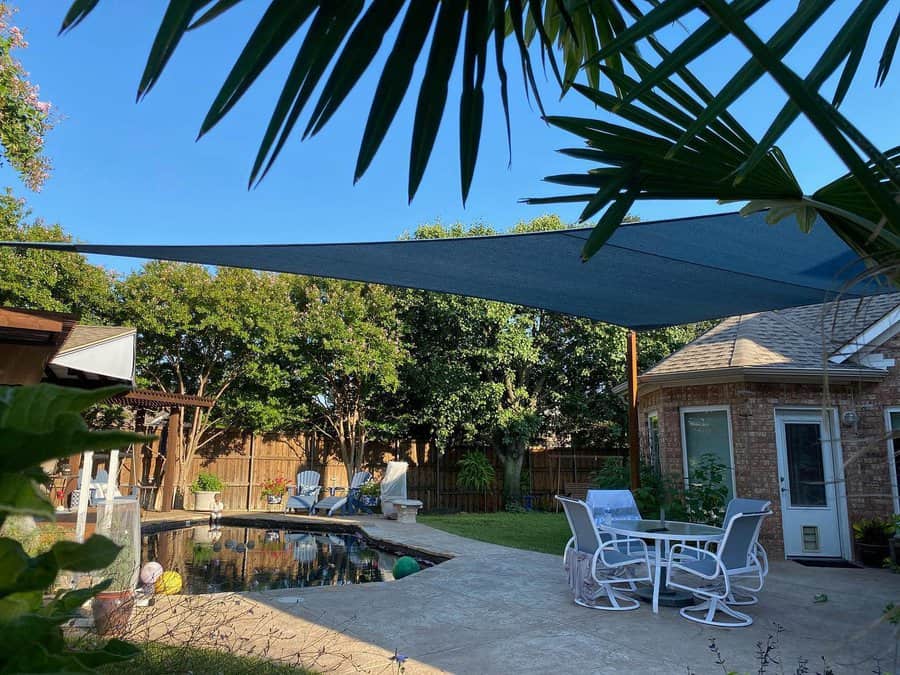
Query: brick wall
{"x": 867, "y": 470}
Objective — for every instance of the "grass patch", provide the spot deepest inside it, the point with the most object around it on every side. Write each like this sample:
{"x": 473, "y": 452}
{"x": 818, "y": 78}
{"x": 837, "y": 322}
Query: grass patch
{"x": 159, "y": 658}
{"x": 534, "y": 531}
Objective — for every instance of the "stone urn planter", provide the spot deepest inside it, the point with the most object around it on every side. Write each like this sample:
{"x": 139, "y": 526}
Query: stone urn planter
{"x": 203, "y": 500}
{"x": 112, "y": 611}
{"x": 274, "y": 499}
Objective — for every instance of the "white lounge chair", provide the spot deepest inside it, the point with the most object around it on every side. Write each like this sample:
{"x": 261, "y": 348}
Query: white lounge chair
{"x": 306, "y": 494}
{"x": 714, "y": 576}
{"x": 598, "y": 568}
{"x": 336, "y": 502}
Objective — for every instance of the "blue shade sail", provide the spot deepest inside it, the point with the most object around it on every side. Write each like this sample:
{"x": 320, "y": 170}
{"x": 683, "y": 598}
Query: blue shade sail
{"x": 648, "y": 275}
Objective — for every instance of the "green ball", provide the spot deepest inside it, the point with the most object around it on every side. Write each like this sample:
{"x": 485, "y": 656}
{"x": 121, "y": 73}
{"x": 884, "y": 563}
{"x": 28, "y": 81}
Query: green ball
{"x": 405, "y": 566}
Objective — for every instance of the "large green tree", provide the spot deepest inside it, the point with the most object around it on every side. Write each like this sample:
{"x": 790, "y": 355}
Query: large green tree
{"x": 493, "y": 374}
{"x": 223, "y": 334}
{"x": 47, "y": 280}
{"x": 349, "y": 352}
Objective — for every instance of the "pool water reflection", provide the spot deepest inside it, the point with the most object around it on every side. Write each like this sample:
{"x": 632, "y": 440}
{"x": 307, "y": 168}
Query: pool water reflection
{"x": 228, "y": 558}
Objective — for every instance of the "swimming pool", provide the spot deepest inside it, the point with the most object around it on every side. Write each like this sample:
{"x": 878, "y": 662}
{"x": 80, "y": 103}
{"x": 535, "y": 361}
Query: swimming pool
{"x": 240, "y": 558}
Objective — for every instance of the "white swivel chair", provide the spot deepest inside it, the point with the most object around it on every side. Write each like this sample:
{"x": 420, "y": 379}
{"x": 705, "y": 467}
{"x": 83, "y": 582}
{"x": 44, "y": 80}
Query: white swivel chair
{"x": 712, "y": 575}
{"x": 600, "y": 572}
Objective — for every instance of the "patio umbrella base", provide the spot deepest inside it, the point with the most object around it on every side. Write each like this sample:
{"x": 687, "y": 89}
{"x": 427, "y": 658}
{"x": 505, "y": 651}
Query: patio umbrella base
{"x": 668, "y": 597}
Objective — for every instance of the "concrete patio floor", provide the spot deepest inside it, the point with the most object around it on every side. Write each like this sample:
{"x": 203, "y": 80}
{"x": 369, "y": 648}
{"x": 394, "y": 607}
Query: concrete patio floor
{"x": 493, "y": 609}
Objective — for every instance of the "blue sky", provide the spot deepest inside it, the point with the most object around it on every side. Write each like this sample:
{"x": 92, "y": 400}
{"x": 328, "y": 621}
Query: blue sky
{"x": 130, "y": 173}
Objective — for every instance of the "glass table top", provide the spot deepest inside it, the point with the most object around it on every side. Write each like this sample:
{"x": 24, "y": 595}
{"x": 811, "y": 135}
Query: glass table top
{"x": 669, "y": 529}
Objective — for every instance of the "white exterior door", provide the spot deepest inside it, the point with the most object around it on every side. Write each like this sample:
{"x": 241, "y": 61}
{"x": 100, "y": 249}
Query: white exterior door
{"x": 806, "y": 473}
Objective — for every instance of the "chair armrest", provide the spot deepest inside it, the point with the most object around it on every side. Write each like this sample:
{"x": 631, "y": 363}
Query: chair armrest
{"x": 615, "y": 545}
{"x": 291, "y": 490}
{"x": 679, "y": 549}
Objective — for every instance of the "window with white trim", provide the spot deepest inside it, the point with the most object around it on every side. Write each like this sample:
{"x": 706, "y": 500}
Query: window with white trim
{"x": 653, "y": 439}
{"x": 892, "y": 419}
{"x": 707, "y": 431}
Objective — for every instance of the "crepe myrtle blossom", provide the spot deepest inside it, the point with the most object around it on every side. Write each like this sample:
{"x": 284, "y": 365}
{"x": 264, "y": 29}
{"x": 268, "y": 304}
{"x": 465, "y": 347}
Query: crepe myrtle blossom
{"x": 24, "y": 117}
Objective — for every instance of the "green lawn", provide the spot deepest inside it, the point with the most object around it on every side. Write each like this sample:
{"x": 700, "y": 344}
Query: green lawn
{"x": 157, "y": 658}
{"x": 534, "y": 531}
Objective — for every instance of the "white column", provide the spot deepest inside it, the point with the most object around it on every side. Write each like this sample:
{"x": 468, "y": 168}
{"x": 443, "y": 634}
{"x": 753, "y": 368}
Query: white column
{"x": 84, "y": 493}
{"x": 112, "y": 481}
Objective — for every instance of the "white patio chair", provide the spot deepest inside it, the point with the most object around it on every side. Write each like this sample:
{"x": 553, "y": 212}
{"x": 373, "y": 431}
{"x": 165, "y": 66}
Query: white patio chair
{"x": 745, "y": 595}
{"x": 335, "y": 503}
{"x": 305, "y": 495}
{"x": 596, "y": 568}
{"x": 614, "y": 505}
{"x": 714, "y": 575}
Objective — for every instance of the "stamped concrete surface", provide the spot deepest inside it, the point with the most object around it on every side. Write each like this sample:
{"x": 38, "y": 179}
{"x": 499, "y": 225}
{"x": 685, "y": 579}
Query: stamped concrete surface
{"x": 492, "y": 609}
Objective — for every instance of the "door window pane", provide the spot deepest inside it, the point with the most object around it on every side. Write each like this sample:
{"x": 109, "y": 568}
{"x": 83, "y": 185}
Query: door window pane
{"x": 705, "y": 433}
{"x": 806, "y": 472}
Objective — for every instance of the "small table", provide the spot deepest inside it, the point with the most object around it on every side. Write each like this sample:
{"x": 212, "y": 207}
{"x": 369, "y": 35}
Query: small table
{"x": 663, "y": 534}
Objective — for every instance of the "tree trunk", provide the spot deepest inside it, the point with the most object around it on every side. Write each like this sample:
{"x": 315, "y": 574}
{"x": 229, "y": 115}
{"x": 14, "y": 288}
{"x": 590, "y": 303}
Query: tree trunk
{"x": 512, "y": 474}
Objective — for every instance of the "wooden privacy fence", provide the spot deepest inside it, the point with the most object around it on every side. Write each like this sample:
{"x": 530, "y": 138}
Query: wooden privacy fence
{"x": 242, "y": 461}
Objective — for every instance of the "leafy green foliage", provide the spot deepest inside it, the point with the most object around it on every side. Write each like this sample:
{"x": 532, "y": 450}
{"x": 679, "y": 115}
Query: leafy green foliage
{"x": 707, "y": 493}
{"x": 347, "y": 36}
{"x": 703, "y": 501}
{"x": 873, "y": 531}
{"x": 39, "y": 423}
{"x": 48, "y": 280}
{"x": 475, "y": 471}
{"x": 349, "y": 339}
{"x": 207, "y": 482}
{"x": 225, "y": 335}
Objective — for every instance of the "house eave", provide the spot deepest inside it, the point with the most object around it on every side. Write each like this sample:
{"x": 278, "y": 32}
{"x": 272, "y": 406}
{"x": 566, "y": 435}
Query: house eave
{"x": 652, "y": 382}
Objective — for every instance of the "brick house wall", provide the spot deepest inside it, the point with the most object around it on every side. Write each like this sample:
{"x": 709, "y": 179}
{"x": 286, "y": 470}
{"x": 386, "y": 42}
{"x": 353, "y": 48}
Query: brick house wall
{"x": 867, "y": 469}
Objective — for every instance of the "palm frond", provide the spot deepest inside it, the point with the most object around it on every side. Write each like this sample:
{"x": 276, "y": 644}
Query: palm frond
{"x": 338, "y": 41}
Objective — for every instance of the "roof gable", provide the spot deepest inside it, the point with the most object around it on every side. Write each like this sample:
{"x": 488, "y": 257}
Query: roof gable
{"x": 800, "y": 338}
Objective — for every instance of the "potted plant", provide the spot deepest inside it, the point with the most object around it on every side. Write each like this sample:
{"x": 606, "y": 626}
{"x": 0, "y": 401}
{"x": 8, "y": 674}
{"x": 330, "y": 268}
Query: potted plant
{"x": 872, "y": 540}
{"x": 205, "y": 487}
{"x": 273, "y": 490}
{"x": 476, "y": 473}
{"x": 369, "y": 494}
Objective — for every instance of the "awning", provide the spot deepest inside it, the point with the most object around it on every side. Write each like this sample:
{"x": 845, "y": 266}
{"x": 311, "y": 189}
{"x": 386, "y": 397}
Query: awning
{"x": 648, "y": 275}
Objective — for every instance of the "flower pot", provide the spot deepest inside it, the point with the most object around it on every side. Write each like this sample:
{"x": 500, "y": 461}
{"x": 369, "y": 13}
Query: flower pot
{"x": 112, "y": 611}
{"x": 274, "y": 499}
{"x": 203, "y": 500}
{"x": 369, "y": 501}
{"x": 872, "y": 555}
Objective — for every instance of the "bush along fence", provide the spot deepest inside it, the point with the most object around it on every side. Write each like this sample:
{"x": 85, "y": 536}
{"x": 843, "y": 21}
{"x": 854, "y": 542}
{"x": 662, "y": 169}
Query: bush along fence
{"x": 246, "y": 463}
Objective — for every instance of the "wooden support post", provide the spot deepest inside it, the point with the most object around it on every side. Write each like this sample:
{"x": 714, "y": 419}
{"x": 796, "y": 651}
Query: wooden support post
{"x": 250, "y": 475}
{"x": 84, "y": 494}
{"x": 173, "y": 460}
{"x": 634, "y": 444}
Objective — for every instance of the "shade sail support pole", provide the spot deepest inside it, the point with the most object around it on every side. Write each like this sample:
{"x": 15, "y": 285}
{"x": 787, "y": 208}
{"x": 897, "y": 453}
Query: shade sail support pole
{"x": 634, "y": 445}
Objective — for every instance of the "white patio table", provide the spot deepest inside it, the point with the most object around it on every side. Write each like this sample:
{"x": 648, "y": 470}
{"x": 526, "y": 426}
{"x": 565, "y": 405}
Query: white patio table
{"x": 663, "y": 534}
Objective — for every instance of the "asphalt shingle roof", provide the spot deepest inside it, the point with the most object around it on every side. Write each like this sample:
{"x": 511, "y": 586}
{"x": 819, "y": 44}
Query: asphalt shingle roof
{"x": 797, "y": 338}
{"x": 84, "y": 336}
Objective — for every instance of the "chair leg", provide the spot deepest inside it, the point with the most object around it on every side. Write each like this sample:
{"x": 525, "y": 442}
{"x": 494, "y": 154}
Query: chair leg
{"x": 617, "y": 601}
{"x": 710, "y": 607}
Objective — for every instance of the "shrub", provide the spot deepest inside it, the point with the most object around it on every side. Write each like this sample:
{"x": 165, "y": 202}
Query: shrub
{"x": 703, "y": 502}
{"x": 475, "y": 471}
{"x": 876, "y": 531}
{"x": 207, "y": 482}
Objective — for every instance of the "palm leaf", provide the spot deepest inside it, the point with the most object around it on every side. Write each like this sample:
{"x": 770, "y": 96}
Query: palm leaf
{"x": 340, "y": 39}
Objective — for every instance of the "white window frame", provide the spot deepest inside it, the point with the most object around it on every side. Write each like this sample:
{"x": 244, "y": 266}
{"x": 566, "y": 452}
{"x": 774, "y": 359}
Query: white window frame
{"x": 650, "y": 415}
{"x": 684, "y": 457}
{"x": 892, "y": 460}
